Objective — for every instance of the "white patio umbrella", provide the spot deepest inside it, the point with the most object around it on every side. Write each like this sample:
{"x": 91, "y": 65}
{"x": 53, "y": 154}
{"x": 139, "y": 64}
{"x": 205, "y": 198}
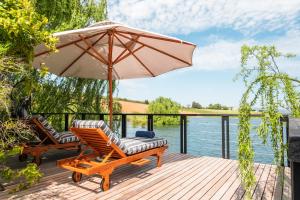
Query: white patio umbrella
{"x": 111, "y": 51}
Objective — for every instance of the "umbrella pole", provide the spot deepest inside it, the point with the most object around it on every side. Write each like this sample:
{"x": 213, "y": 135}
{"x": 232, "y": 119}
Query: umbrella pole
{"x": 110, "y": 84}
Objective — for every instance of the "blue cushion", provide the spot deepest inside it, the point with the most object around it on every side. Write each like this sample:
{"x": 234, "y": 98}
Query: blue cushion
{"x": 145, "y": 134}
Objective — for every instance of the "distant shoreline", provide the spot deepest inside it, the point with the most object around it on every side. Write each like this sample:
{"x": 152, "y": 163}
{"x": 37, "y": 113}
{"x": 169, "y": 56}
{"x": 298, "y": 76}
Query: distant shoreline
{"x": 139, "y": 107}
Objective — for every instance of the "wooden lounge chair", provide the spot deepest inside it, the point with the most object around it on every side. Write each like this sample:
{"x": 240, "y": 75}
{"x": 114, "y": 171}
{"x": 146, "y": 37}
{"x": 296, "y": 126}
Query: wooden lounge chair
{"x": 109, "y": 151}
{"x": 48, "y": 139}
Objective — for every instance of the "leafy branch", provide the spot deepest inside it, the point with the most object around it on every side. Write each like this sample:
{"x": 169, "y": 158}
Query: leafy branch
{"x": 272, "y": 90}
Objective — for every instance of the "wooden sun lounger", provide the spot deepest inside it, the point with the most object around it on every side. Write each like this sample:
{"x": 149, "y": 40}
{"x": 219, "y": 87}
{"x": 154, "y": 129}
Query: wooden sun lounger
{"x": 47, "y": 142}
{"x": 112, "y": 156}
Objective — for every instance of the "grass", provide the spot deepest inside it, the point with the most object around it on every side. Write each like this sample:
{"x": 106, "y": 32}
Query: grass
{"x": 208, "y": 111}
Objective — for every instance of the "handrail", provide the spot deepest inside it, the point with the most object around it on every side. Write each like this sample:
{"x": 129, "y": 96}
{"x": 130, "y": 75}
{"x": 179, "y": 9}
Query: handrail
{"x": 225, "y": 118}
{"x": 143, "y": 114}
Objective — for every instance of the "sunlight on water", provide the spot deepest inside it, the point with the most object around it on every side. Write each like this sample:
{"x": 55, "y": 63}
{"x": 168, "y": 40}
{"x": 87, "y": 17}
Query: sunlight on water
{"x": 204, "y": 138}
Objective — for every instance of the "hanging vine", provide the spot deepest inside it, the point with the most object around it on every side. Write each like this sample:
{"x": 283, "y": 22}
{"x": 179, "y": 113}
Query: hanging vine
{"x": 271, "y": 90}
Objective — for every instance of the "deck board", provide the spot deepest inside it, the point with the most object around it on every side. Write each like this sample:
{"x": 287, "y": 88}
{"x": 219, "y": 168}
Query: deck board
{"x": 181, "y": 177}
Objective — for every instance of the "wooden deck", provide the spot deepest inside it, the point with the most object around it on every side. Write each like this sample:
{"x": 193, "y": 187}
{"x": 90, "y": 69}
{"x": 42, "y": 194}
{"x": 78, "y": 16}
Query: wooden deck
{"x": 180, "y": 177}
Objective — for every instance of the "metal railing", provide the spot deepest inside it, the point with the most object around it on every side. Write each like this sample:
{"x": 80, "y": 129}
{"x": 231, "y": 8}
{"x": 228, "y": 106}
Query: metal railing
{"x": 225, "y": 124}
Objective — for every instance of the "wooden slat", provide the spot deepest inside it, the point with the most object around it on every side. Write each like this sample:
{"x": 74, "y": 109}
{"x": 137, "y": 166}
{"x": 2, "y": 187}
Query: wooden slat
{"x": 277, "y": 194}
{"x": 240, "y": 192}
{"x": 201, "y": 183}
{"x": 180, "y": 177}
{"x": 171, "y": 184}
{"x": 175, "y": 192}
{"x": 287, "y": 185}
{"x": 230, "y": 190}
{"x": 134, "y": 172}
{"x": 150, "y": 188}
{"x": 65, "y": 184}
{"x": 213, "y": 181}
{"x": 269, "y": 189}
{"x": 123, "y": 187}
{"x": 261, "y": 184}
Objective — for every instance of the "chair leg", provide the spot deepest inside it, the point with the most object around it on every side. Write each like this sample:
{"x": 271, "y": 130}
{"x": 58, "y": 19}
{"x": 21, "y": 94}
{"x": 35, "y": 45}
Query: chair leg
{"x": 159, "y": 160}
{"x": 105, "y": 184}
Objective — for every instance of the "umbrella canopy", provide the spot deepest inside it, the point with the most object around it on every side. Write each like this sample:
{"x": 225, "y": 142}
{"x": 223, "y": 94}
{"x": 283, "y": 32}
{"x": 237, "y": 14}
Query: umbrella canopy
{"x": 111, "y": 51}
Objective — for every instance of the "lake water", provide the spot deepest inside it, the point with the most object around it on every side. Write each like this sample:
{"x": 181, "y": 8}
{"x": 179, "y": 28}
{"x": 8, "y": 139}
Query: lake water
{"x": 204, "y": 138}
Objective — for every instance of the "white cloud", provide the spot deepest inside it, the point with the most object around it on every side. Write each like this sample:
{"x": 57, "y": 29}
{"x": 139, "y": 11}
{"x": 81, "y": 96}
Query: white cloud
{"x": 131, "y": 86}
{"x": 224, "y": 54}
{"x": 219, "y": 55}
{"x": 178, "y": 16}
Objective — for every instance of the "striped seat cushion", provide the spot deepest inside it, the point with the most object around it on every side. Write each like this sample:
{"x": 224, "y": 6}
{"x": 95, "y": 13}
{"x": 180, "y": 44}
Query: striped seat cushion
{"x": 67, "y": 137}
{"x": 103, "y": 126}
{"x": 47, "y": 126}
{"x": 128, "y": 145}
{"x": 139, "y": 144}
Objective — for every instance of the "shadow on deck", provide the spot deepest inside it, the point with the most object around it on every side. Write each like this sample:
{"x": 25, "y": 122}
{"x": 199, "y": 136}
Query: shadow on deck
{"x": 181, "y": 177}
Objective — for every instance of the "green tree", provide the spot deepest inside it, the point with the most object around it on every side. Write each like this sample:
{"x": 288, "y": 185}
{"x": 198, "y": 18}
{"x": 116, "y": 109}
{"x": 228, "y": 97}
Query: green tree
{"x": 163, "y": 105}
{"x": 217, "y": 106}
{"x": 70, "y": 94}
{"x": 63, "y": 94}
{"x": 21, "y": 28}
{"x": 272, "y": 90}
{"x": 196, "y": 105}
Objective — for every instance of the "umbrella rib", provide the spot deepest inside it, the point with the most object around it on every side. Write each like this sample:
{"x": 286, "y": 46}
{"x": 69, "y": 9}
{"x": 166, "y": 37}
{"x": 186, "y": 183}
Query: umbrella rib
{"x": 67, "y": 44}
{"x": 125, "y": 50}
{"x": 125, "y": 56}
{"x": 151, "y": 47}
{"x": 97, "y": 59}
{"x": 84, "y": 51}
{"x": 135, "y": 56}
{"x": 96, "y": 52}
{"x": 158, "y": 38}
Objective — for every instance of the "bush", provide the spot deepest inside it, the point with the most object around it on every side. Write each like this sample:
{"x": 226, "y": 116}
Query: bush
{"x": 163, "y": 105}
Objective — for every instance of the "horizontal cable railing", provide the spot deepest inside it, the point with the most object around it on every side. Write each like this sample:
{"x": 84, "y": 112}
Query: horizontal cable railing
{"x": 225, "y": 141}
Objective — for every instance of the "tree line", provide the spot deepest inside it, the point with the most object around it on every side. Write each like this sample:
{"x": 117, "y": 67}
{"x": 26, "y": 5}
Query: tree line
{"x": 215, "y": 106}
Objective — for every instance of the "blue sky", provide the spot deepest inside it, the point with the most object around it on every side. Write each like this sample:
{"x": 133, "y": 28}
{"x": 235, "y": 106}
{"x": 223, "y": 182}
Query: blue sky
{"x": 219, "y": 28}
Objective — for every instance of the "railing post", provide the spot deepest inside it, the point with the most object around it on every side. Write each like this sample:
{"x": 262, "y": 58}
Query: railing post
{"x": 227, "y": 138}
{"x": 66, "y": 121}
{"x": 287, "y": 131}
{"x": 150, "y": 122}
{"x": 223, "y": 136}
{"x": 124, "y": 125}
{"x": 282, "y": 137}
{"x": 286, "y": 120}
{"x": 183, "y": 134}
{"x": 101, "y": 117}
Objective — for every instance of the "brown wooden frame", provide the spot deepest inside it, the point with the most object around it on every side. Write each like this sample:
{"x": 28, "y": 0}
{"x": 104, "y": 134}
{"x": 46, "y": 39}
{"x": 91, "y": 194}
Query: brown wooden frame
{"x": 112, "y": 156}
{"x": 36, "y": 150}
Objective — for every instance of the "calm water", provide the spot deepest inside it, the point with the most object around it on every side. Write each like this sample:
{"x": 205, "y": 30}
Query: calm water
{"x": 204, "y": 138}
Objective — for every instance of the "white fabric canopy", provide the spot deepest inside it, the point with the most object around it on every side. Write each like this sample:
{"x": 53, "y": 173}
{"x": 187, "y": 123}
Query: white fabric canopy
{"x": 109, "y": 50}
{"x": 135, "y": 53}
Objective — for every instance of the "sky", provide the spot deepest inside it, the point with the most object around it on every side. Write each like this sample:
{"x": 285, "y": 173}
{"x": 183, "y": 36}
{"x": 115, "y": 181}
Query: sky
{"x": 219, "y": 28}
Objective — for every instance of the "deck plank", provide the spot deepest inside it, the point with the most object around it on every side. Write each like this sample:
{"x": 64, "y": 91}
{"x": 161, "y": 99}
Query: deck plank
{"x": 234, "y": 186}
{"x": 240, "y": 192}
{"x": 177, "y": 188}
{"x": 261, "y": 183}
{"x": 287, "y": 184}
{"x": 168, "y": 184}
{"x": 186, "y": 185}
{"x": 206, "y": 190}
{"x": 182, "y": 176}
{"x": 269, "y": 189}
{"x": 277, "y": 194}
{"x": 201, "y": 183}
